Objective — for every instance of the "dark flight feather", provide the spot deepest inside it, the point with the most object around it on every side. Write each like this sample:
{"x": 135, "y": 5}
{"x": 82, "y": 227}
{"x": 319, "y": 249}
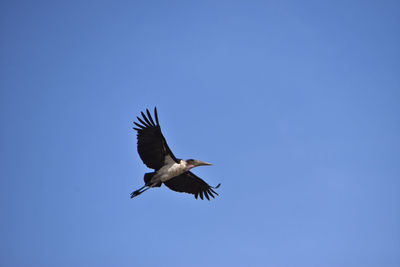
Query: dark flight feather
{"x": 192, "y": 184}
{"x": 152, "y": 147}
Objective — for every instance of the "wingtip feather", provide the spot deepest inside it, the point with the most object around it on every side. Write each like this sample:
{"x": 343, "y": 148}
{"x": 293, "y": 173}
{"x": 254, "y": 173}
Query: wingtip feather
{"x": 142, "y": 122}
{"x": 156, "y": 116}
{"x": 145, "y": 118}
{"x": 150, "y": 118}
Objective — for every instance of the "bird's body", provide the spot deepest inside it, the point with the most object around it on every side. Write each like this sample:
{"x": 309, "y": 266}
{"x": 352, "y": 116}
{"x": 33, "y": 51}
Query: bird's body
{"x": 174, "y": 173}
{"x": 169, "y": 170}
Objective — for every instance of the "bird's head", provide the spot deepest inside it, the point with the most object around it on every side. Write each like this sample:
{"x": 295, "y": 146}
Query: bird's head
{"x": 191, "y": 163}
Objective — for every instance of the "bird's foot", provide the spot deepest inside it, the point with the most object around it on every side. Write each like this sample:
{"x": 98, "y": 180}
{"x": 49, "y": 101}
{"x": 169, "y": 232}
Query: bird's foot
{"x": 135, "y": 193}
{"x": 140, "y": 190}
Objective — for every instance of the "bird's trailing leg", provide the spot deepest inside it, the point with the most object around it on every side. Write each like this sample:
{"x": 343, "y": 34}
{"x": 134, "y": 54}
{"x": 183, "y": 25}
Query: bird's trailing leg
{"x": 139, "y": 191}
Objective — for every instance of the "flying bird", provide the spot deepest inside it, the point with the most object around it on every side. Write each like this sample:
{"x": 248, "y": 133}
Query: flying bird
{"x": 173, "y": 172}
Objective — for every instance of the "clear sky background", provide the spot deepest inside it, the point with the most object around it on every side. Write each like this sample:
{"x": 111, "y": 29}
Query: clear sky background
{"x": 296, "y": 103}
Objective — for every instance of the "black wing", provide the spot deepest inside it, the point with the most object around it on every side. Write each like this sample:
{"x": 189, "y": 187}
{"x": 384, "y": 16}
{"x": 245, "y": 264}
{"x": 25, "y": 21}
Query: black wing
{"x": 151, "y": 144}
{"x": 190, "y": 183}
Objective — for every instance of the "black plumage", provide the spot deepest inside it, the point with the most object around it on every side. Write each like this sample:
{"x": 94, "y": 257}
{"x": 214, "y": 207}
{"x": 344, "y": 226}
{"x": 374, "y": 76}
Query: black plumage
{"x": 151, "y": 145}
{"x": 192, "y": 184}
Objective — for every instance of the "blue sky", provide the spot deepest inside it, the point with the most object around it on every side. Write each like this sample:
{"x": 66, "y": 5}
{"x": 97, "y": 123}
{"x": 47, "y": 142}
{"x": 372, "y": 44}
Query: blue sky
{"x": 296, "y": 103}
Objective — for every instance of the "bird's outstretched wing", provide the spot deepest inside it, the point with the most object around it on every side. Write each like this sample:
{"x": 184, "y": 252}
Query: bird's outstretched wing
{"x": 151, "y": 144}
{"x": 190, "y": 183}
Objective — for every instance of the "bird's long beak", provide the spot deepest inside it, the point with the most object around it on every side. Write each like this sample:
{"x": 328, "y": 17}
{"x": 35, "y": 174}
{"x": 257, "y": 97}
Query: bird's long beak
{"x": 201, "y": 163}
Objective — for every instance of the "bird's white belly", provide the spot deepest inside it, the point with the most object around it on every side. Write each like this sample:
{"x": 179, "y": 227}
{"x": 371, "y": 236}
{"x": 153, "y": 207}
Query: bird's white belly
{"x": 168, "y": 172}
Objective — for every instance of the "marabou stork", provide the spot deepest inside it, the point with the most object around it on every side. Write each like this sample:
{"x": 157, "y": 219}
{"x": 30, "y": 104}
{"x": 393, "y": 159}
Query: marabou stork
{"x": 173, "y": 172}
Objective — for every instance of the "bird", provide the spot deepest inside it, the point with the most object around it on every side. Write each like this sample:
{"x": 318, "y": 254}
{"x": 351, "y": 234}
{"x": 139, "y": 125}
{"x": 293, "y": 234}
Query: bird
{"x": 168, "y": 170}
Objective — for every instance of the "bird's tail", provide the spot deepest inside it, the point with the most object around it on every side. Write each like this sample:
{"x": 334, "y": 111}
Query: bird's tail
{"x": 147, "y": 177}
{"x": 147, "y": 180}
